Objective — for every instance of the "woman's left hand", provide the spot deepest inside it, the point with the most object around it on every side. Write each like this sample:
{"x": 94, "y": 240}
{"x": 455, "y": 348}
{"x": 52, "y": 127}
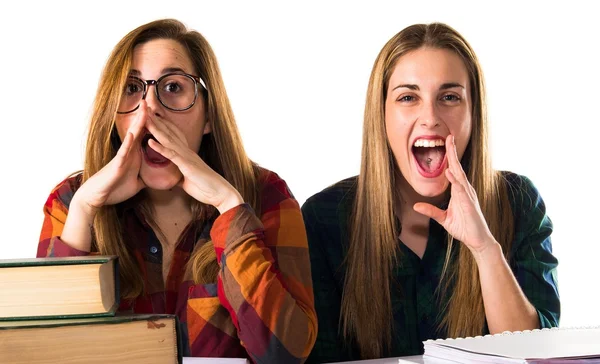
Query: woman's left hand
{"x": 199, "y": 180}
{"x": 463, "y": 219}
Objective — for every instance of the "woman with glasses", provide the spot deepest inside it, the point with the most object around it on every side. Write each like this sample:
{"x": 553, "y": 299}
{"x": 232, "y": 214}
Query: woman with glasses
{"x": 200, "y": 230}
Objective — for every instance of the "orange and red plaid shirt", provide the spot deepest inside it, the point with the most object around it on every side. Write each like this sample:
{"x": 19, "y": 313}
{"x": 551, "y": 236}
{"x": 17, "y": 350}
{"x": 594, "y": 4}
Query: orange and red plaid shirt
{"x": 262, "y": 305}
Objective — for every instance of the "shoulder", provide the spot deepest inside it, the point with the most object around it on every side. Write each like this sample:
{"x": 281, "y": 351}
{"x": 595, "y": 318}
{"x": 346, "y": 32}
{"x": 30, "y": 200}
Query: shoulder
{"x": 64, "y": 191}
{"x": 273, "y": 190}
{"x": 522, "y": 193}
{"x": 528, "y": 208}
{"x": 327, "y": 206}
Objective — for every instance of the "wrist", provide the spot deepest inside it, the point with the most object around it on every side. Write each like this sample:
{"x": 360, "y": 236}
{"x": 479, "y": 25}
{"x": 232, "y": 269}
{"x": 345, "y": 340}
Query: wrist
{"x": 83, "y": 209}
{"x": 232, "y": 200}
{"x": 77, "y": 232}
{"x": 490, "y": 250}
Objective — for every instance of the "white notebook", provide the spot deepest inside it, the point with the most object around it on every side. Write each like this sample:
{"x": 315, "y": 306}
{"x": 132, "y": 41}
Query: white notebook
{"x": 565, "y": 346}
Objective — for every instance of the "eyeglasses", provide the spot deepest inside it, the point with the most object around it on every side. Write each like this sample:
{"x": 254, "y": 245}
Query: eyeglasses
{"x": 175, "y": 91}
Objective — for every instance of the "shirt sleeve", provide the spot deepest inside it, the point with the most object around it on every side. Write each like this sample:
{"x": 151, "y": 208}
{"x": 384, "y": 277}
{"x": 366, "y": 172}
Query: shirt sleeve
{"x": 56, "y": 209}
{"x": 532, "y": 261}
{"x": 264, "y": 280}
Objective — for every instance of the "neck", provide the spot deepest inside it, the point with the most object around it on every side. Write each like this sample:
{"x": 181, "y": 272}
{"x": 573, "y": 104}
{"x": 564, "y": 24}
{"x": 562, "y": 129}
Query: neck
{"x": 172, "y": 201}
{"x": 408, "y": 197}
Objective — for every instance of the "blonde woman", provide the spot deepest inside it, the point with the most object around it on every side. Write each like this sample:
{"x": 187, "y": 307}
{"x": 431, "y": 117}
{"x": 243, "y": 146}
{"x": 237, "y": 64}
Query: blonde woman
{"x": 428, "y": 241}
{"x": 199, "y": 229}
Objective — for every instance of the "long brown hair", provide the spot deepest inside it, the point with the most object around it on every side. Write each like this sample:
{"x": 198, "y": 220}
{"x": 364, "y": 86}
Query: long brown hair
{"x": 373, "y": 254}
{"x": 222, "y": 149}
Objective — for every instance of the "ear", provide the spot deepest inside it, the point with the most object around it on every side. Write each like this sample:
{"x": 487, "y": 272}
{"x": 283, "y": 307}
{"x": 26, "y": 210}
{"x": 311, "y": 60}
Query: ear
{"x": 207, "y": 127}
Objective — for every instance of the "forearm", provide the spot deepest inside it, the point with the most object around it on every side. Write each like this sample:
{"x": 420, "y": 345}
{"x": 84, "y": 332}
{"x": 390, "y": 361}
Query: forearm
{"x": 506, "y": 306}
{"x": 77, "y": 232}
{"x": 255, "y": 292}
{"x": 269, "y": 296}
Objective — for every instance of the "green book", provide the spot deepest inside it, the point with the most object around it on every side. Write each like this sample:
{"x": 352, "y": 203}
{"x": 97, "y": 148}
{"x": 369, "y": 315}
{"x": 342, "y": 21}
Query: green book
{"x": 146, "y": 339}
{"x": 43, "y": 288}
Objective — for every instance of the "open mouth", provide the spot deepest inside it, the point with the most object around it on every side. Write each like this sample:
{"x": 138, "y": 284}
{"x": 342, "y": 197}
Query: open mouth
{"x": 430, "y": 156}
{"x": 151, "y": 156}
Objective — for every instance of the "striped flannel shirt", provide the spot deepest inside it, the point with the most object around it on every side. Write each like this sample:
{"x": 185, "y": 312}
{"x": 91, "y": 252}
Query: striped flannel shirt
{"x": 261, "y": 306}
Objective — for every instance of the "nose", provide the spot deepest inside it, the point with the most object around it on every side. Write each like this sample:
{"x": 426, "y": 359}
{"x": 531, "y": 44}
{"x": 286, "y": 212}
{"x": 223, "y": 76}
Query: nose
{"x": 152, "y": 101}
{"x": 429, "y": 117}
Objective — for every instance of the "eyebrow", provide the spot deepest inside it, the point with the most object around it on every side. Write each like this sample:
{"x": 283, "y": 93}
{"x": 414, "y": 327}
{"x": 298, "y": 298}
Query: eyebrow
{"x": 137, "y": 73}
{"x": 444, "y": 86}
{"x": 448, "y": 85}
{"x": 172, "y": 69}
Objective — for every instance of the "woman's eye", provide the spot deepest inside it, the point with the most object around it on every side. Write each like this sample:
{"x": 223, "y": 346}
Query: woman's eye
{"x": 450, "y": 98}
{"x": 132, "y": 88}
{"x": 407, "y": 98}
{"x": 172, "y": 87}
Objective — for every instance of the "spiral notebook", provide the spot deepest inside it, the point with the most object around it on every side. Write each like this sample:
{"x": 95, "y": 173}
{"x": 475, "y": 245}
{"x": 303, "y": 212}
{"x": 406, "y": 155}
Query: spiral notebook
{"x": 545, "y": 346}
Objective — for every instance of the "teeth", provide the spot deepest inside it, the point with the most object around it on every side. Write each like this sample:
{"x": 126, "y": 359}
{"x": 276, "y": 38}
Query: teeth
{"x": 429, "y": 143}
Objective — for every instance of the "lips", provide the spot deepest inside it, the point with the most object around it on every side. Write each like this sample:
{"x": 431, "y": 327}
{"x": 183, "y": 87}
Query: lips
{"x": 429, "y": 153}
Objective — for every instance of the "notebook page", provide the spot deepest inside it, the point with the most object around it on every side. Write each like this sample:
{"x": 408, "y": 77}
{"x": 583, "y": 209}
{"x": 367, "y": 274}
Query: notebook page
{"x": 536, "y": 344}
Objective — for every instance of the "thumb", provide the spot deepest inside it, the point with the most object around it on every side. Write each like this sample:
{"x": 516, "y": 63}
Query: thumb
{"x": 430, "y": 211}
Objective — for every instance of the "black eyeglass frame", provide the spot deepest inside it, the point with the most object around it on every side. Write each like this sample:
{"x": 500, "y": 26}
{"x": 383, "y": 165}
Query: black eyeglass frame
{"x": 147, "y": 83}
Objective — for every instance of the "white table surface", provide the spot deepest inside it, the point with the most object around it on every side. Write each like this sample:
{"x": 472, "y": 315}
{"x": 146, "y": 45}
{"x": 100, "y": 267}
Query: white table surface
{"x": 213, "y": 360}
{"x": 402, "y": 360}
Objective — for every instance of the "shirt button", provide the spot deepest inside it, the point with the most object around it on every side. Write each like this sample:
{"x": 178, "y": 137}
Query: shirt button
{"x": 153, "y": 250}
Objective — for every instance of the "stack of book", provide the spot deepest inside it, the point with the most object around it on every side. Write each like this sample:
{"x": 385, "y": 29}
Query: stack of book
{"x": 62, "y": 310}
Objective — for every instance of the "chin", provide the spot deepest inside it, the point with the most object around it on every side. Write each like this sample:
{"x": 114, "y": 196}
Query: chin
{"x": 431, "y": 188}
{"x": 160, "y": 179}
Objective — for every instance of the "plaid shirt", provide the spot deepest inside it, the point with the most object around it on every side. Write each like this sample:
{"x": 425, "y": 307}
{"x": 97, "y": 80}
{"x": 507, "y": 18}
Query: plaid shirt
{"x": 415, "y": 303}
{"x": 262, "y": 305}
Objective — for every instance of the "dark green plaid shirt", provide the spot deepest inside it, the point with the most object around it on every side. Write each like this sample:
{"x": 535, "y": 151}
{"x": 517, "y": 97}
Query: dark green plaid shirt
{"x": 416, "y": 313}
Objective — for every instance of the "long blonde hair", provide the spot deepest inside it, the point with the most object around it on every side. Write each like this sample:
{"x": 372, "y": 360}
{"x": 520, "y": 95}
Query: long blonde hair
{"x": 222, "y": 149}
{"x": 373, "y": 251}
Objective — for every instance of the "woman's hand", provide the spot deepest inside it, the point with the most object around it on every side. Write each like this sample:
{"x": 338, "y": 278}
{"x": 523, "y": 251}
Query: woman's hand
{"x": 199, "y": 180}
{"x": 463, "y": 219}
{"x": 118, "y": 180}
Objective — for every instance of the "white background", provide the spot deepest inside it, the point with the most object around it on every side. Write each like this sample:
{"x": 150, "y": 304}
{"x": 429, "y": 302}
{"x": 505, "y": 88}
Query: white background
{"x": 297, "y": 74}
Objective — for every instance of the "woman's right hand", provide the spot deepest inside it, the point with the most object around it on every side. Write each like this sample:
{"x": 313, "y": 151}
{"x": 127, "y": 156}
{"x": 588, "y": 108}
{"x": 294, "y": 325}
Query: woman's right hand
{"x": 119, "y": 180}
